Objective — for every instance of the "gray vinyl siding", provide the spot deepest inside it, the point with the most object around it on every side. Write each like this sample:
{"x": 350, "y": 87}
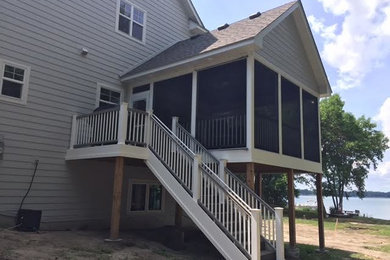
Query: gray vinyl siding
{"x": 48, "y": 35}
{"x": 283, "y": 48}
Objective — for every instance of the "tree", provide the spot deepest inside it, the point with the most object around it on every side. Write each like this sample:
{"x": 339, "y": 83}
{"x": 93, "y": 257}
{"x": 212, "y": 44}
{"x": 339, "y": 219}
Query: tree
{"x": 350, "y": 146}
{"x": 275, "y": 189}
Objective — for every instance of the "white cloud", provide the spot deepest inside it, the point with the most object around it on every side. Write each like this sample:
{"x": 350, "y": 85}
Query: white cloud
{"x": 384, "y": 117}
{"x": 360, "y": 43}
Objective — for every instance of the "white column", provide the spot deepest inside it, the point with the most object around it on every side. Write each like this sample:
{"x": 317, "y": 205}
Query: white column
{"x": 196, "y": 178}
{"x": 280, "y": 113}
{"x": 73, "y": 136}
{"x": 301, "y": 116}
{"x": 193, "y": 102}
{"x": 122, "y": 125}
{"x": 279, "y": 234}
{"x": 250, "y": 82}
{"x": 255, "y": 232}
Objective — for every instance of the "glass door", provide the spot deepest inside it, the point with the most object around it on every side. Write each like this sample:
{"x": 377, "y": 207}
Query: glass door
{"x": 140, "y": 101}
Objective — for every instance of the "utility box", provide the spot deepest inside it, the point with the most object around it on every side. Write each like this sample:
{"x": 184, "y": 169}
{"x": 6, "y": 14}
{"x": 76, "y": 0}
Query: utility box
{"x": 29, "y": 220}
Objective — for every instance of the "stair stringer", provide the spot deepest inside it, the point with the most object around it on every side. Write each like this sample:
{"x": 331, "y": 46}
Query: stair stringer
{"x": 216, "y": 236}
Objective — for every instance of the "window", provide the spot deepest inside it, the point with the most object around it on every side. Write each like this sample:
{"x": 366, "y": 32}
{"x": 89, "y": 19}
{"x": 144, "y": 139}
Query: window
{"x": 107, "y": 97}
{"x": 131, "y": 20}
{"x": 13, "y": 81}
{"x": 145, "y": 197}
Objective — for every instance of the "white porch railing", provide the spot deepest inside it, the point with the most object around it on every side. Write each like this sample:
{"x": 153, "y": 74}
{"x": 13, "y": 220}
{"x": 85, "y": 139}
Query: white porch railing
{"x": 237, "y": 211}
{"x": 121, "y": 125}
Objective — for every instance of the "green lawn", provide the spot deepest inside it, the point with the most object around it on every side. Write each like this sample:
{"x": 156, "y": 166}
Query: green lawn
{"x": 308, "y": 252}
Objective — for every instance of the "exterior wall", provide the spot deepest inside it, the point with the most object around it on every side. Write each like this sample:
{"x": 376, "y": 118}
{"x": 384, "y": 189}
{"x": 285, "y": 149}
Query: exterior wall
{"x": 283, "y": 48}
{"x": 48, "y": 35}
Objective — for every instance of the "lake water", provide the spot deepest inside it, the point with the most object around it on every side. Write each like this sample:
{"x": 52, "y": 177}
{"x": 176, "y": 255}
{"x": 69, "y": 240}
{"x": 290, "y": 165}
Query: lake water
{"x": 371, "y": 207}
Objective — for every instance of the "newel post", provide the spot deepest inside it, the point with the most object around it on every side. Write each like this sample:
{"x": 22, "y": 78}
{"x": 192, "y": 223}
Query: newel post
{"x": 255, "y": 233}
{"x": 221, "y": 169}
{"x": 122, "y": 125}
{"x": 279, "y": 234}
{"x": 148, "y": 127}
{"x": 73, "y": 135}
{"x": 175, "y": 121}
{"x": 196, "y": 178}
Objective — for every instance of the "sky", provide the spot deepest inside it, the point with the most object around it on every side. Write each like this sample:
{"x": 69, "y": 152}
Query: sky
{"x": 353, "y": 38}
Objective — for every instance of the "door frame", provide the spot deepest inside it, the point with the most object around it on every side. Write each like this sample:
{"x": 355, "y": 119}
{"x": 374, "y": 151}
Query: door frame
{"x": 145, "y": 95}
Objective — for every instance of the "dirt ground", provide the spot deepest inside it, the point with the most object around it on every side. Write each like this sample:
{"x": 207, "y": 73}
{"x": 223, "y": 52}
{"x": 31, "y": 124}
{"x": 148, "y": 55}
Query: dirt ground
{"x": 91, "y": 245}
{"x": 149, "y": 244}
{"x": 359, "y": 240}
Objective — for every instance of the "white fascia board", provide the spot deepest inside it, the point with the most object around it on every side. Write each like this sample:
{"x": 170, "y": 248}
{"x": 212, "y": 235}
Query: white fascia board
{"x": 196, "y": 58}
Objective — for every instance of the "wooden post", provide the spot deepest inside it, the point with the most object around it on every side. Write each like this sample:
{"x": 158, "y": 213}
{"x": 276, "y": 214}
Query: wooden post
{"x": 178, "y": 216}
{"x": 320, "y": 209}
{"x": 73, "y": 136}
{"x": 258, "y": 184}
{"x": 116, "y": 198}
{"x": 250, "y": 175}
{"x": 291, "y": 209}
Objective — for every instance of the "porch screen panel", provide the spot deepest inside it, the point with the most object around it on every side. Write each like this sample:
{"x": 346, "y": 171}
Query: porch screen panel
{"x": 221, "y": 107}
{"x": 291, "y": 119}
{"x": 266, "y": 109}
{"x": 172, "y": 97}
{"x": 311, "y": 134}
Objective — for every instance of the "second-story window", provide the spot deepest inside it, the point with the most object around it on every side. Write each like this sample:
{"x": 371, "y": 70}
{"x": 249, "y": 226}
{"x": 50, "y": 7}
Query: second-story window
{"x": 107, "y": 97}
{"x": 131, "y": 20}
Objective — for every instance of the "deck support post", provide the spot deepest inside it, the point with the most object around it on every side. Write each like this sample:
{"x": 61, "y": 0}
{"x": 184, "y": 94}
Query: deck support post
{"x": 293, "y": 251}
{"x": 116, "y": 198}
{"x": 178, "y": 216}
{"x": 250, "y": 175}
{"x": 320, "y": 209}
{"x": 259, "y": 184}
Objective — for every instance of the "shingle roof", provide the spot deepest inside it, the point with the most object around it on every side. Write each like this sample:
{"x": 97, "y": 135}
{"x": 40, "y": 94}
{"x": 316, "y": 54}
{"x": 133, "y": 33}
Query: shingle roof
{"x": 237, "y": 32}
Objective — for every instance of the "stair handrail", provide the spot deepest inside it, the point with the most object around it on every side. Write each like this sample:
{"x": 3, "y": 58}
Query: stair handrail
{"x": 205, "y": 152}
{"x": 253, "y": 200}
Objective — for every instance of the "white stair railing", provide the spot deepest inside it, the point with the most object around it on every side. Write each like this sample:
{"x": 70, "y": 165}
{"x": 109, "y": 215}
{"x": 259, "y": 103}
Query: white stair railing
{"x": 268, "y": 230}
{"x": 221, "y": 203}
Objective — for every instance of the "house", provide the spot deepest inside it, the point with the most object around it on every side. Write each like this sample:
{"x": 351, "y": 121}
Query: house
{"x": 181, "y": 111}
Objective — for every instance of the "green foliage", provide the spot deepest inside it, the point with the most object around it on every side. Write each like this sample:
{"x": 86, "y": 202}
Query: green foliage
{"x": 350, "y": 146}
{"x": 275, "y": 189}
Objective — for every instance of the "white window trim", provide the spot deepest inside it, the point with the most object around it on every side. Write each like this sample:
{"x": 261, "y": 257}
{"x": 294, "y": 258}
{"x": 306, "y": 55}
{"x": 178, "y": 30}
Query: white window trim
{"x": 102, "y": 85}
{"x": 26, "y": 80}
{"x": 132, "y": 20}
{"x": 146, "y": 211}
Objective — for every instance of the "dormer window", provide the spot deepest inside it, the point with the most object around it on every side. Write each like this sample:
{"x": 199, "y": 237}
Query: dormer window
{"x": 131, "y": 20}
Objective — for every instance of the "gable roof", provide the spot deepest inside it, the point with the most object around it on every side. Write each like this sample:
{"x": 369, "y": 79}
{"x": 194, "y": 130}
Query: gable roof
{"x": 236, "y": 32}
{"x": 193, "y": 14}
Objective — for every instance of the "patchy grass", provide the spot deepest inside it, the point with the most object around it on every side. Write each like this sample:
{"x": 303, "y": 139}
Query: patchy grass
{"x": 309, "y": 252}
{"x": 385, "y": 248}
{"x": 373, "y": 226}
